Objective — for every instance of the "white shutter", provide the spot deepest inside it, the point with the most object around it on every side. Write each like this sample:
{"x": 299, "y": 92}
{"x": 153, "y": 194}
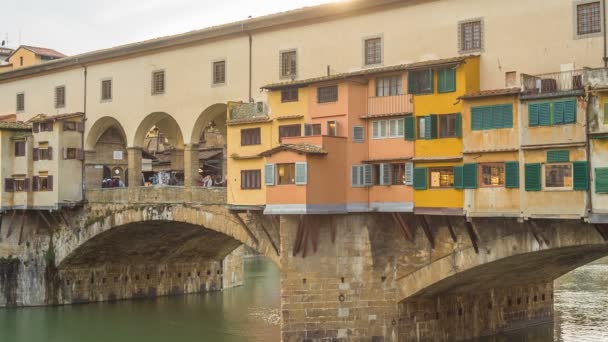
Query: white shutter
{"x": 358, "y": 134}
{"x": 354, "y": 176}
{"x": 376, "y": 130}
{"x": 385, "y": 174}
{"x": 421, "y": 128}
{"x": 409, "y": 173}
{"x": 269, "y": 172}
{"x": 307, "y": 130}
{"x": 367, "y": 175}
{"x": 401, "y": 128}
{"x": 392, "y": 128}
{"x": 383, "y": 129}
{"x": 301, "y": 173}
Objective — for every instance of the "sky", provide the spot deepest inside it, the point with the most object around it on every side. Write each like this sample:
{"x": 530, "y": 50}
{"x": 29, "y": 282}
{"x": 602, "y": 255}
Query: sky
{"x": 77, "y": 26}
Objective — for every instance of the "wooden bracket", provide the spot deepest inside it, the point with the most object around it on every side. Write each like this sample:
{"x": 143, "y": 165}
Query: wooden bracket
{"x": 274, "y": 246}
{"x": 246, "y": 228}
{"x": 427, "y": 230}
{"x": 299, "y": 236}
{"x": 602, "y": 229}
{"x": 43, "y": 218}
{"x": 405, "y": 227}
{"x": 451, "y": 229}
{"x": 472, "y": 235}
{"x": 537, "y": 235}
{"x": 10, "y": 224}
{"x": 21, "y": 228}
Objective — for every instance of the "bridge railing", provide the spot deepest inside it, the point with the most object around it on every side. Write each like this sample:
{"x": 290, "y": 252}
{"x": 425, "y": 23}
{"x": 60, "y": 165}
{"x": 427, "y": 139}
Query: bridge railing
{"x": 164, "y": 194}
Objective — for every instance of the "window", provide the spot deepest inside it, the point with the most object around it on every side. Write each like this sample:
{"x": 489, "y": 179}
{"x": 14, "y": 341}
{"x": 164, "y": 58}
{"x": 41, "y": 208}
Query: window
{"x": 327, "y": 94}
{"x": 289, "y": 95}
{"x": 312, "y": 129}
{"x": 20, "y": 148}
{"x": 20, "y": 102}
{"x": 492, "y": 175}
{"x": 46, "y": 126}
{"x": 446, "y": 80}
{"x": 20, "y": 184}
{"x": 601, "y": 180}
{"x": 289, "y": 64}
{"x": 43, "y": 183}
{"x": 251, "y": 179}
{"x": 373, "y": 51}
{"x": 492, "y": 117}
{"x": 251, "y": 136}
{"x": 552, "y": 113}
{"x": 421, "y": 127}
{"x": 398, "y": 174}
{"x": 447, "y": 126}
{"x": 382, "y": 129}
{"x": 588, "y": 18}
{"x": 471, "y": 36}
{"x": 44, "y": 154}
{"x": 558, "y": 176}
{"x": 286, "y": 174}
{"x": 69, "y": 126}
{"x": 389, "y": 86}
{"x": 420, "y": 82}
{"x": 20, "y": 61}
{"x": 361, "y": 175}
{"x": 60, "y": 97}
{"x": 332, "y": 128}
{"x": 158, "y": 82}
{"x": 73, "y": 154}
{"x": 106, "y": 90}
{"x": 219, "y": 72}
{"x": 289, "y": 131}
{"x": 358, "y": 134}
{"x": 441, "y": 178}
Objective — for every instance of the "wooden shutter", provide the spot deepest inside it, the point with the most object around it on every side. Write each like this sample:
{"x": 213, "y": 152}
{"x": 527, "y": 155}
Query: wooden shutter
{"x": 386, "y": 174}
{"x": 411, "y": 83}
{"x": 26, "y": 185}
{"x": 533, "y": 178}
{"x": 358, "y": 134}
{"x": 35, "y": 183}
{"x": 409, "y": 128}
{"x": 368, "y": 179}
{"x": 49, "y": 182}
{"x": 80, "y": 154}
{"x": 512, "y": 175}
{"x": 469, "y": 176}
{"x": 50, "y": 153}
{"x": 409, "y": 174}
{"x": 507, "y": 116}
{"x": 269, "y": 174}
{"x": 430, "y": 127}
{"x": 533, "y": 114}
{"x": 35, "y": 154}
{"x": 496, "y": 117}
{"x": 544, "y": 114}
{"x": 420, "y": 178}
{"x": 570, "y": 111}
{"x": 9, "y": 185}
{"x": 558, "y": 113}
{"x": 458, "y": 127}
{"x": 458, "y": 177}
{"x": 354, "y": 176}
{"x": 580, "y": 170}
{"x": 36, "y": 127}
{"x": 447, "y": 80}
{"x": 476, "y": 119}
{"x": 601, "y": 180}
{"x": 301, "y": 173}
{"x": 558, "y": 156}
{"x": 486, "y": 118}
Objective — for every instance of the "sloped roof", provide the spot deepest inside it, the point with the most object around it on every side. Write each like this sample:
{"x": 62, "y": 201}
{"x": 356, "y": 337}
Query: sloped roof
{"x": 8, "y": 118}
{"x": 59, "y": 117}
{"x": 44, "y": 51}
{"x": 15, "y": 126}
{"x": 491, "y": 93}
{"x": 302, "y": 148}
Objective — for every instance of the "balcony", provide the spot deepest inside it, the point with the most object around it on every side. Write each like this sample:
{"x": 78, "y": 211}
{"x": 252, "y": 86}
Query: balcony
{"x": 386, "y": 105}
{"x": 247, "y": 111}
{"x": 557, "y": 83}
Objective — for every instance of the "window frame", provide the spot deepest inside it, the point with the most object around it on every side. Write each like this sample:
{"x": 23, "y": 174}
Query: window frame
{"x": 254, "y": 139}
{"x": 257, "y": 176}
{"x": 40, "y": 179}
{"x": 329, "y": 127}
{"x": 292, "y": 167}
{"x": 397, "y": 90}
{"x": 555, "y": 188}
{"x": 62, "y": 103}
{"x": 17, "y": 150}
{"x": 378, "y": 52}
{"x": 283, "y": 127}
{"x": 575, "y": 19}
{"x": 20, "y": 102}
{"x": 22, "y": 181}
{"x": 413, "y": 81}
{"x": 455, "y": 124}
{"x": 215, "y": 82}
{"x": 111, "y": 91}
{"x": 293, "y": 70}
{"x": 327, "y": 100}
{"x": 290, "y": 91}
{"x": 481, "y": 178}
{"x": 462, "y": 49}
{"x": 156, "y": 91}
{"x": 430, "y": 177}
{"x": 421, "y": 127}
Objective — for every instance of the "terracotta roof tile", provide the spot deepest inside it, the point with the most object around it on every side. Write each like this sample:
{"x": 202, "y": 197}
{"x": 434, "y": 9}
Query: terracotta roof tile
{"x": 44, "y": 117}
{"x": 493, "y": 92}
{"x": 248, "y": 121}
{"x": 44, "y": 51}
{"x": 290, "y": 117}
{"x": 379, "y": 116}
{"x": 303, "y": 148}
{"x": 15, "y": 126}
{"x": 386, "y": 160}
{"x": 8, "y": 118}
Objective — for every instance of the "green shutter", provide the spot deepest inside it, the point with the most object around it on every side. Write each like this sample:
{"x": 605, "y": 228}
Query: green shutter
{"x": 558, "y": 113}
{"x": 429, "y": 73}
{"x": 411, "y": 83}
{"x": 601, "y": 180}
{"x": 409, "y": 128}
{"x": 430, "y": 127}
{"x": 512, "y": 175}
{"x": 476, "y": 118}
{"x": 533, "y": 110}
{"x": 469, "y": 176}
{"x": 605, "y": 113}
{"x": 544, "y": 114}
{"x": 420, "y": 178}
{"x": 487, "y": 118}
{"x": 558, "y": 156}
{"x": 447, "y": 80}
{"x": 497, "y": 117}
{"x": 570, "y": 111}
{"x": 507, "y": 116}
{"x": 533, "y": 177}
{"x": 458, "y": 125}
{"x": 458, "y": 177}
{"x": 580, "y": 170}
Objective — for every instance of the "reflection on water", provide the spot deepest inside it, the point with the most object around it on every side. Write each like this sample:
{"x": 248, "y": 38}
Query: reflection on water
{"x": 251, "y": 313}
{"x": 248, "y": 313}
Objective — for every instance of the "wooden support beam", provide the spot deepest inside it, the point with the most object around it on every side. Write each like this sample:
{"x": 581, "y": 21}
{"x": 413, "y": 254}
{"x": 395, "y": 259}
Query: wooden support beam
{"x": 274, "y": 246}
{"x": 405, "y": 227}
{"x": 334, "y": 230}
{"x": 246, "y": 228}
{"x": 299, "y": 235}
{"x": 602, "y": 229}
{"x": 472, "y": 235}
{"x": 537, "y": 234}
{"x": 315, "y": 238}
{"x": 21, "y": 228}
{"x": 305, "y": 241}
{"x": 43, "y": 218}
{"x": 451, "y": 229}
{"x": 427, "y": 230}
{"x": 65, "y": 220}
{"x": 10, "y": 225}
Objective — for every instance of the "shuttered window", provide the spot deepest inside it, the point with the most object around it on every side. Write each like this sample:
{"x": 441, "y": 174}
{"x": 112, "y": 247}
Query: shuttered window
{"x": 458, "y": 177}
{"x": 409, "y": 174}
{"x": 60, "y": 97}
{"x": 358, "y": 134}
{"x": 251, "y": 136}
{"x": 492, "y": 117}
{"x": 533, "y": 177}
{"x": 558, "y": 156}
{"x": 420, "y": 82}
{"x": 410, "y": 128}
{"x": 601, "y": 180}
{"x": 449, "y": 125}
{"x": 552, "y": 113}
{"x": 469, "y": 176}
{"x": 441, "y": 177}
{"x": 512, "y": 175}
{"x": 581, "y": 175}
{"x": 301, "y": 173}
{"x": 386, "y": 174}
{"x": 420, "y": 178}
{"x": 73, "y": 154}
{"x": 286, "y": 174}
{"x": 20, "y": 148}
{"x": 492, "y": 175}
{"x": 42, "y": 183}
{"x": 446, "y": 79}
{"x": 361, "y": 176}
{"x": 269, "y": 174}
{"x": 430, "y": 127}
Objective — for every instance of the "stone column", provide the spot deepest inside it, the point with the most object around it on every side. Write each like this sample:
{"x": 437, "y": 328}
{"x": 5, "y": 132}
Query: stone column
{"x": 190, "y": 165}
{"x": 134, "y": 166}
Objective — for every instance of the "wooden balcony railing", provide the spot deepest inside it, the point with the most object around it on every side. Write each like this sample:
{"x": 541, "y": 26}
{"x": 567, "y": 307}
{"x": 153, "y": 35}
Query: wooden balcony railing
{"x": 381, "y": 105}
{"x": 555, "y": 82}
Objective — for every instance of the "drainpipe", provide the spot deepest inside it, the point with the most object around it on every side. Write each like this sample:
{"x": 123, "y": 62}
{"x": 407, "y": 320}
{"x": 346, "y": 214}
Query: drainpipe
{"x": 84, "y": 119}
{"x": 604, "y": 29}
{"x": 588, "y": 145}
{"x": 251, "y": 62}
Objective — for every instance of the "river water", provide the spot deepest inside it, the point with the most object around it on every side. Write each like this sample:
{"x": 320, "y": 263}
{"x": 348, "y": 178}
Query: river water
{"x": 251, "y": 313}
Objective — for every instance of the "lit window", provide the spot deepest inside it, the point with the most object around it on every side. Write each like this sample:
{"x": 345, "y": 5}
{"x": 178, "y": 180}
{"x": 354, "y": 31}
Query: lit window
{"x": 442, "y": 177}
{"x": 286, "y": 174}
{"x": 492, "y": 175}
{"x": 332, "y": 128}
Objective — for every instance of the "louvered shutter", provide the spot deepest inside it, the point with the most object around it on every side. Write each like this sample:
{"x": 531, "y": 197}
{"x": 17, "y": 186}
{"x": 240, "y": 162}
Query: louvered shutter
{"x": 558, "y": 156}
{"x": 49, "y": 182}
{"x": 35, "y": 183}
{"x": 533, "y": 178}
{"x": 409, "y": 128}
{"x": 458, "y": 127}
{"x": 469, "y": 176}
{"x": 269, "y": 174}
{"x": 447, "y": 80}
{"x": 497, "y": 117}
{"x": 409, "y": 174}
{"x": 50, "y": 153}
{"x": 512, "y": 175}
{"x": 544, "y": 114}
{"x": 570, "y": 111}
{"x": 580, "y": 170}
{"x": 420, "y": 178}
{"x": 301, "y": 173}
{"x": 26, "y": 185}
{"x": 487, "y": 121}
{"x": 601, "y": 180}
{"x": 9, "y": 185}
{"x": 458, "y": 177}
{"x": 35, "y": 154}
{"x": 386, "y": 171}
{"x": 477, "y": 119}
{"x": 558, "y": 113}
{"x": 507, "y": 116}
{"x": 368, "y": 179}
{"x": 358, "y": 134}
{"x": 411, "y": 83}
{"x": 430, "y": 127}
{"x": 354, "y": 176}
{"x": 533, "y": 114}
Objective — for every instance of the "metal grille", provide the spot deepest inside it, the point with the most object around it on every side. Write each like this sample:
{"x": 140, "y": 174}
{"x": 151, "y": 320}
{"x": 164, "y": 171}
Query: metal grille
{"x": 327, "y": 94}
{"x": 106, "y": 90}
{"x": 288, "y": 64}
{"x": 251, "y": 179}
{"x": 219, "y": 72}
{"x": 158, "y": 82}
{"x": 373, "y": 51}
{"x": 588, "y": 18}
{"x": 289, "y": 95}
{"x": 20, "y": 102}
{"x": 471, "y": 36}
{"x": 250, "y": 136}
{"x": 60, "y": 97}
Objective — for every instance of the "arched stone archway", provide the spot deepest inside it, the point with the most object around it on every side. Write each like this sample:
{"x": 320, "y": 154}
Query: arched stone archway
{"x": 106, "y": 149}
{"x": 166, "y": 124}
{"x": 215, "y": 114}
{"x": 100, "y": 127}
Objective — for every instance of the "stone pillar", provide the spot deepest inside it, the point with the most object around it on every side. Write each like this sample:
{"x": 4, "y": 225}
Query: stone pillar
{"x": 190, "y": 165}
{"x": 134, "y": 166}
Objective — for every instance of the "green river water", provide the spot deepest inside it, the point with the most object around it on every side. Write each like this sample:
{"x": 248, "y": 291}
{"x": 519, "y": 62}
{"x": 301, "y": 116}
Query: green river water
{"x": 251, "y": 313}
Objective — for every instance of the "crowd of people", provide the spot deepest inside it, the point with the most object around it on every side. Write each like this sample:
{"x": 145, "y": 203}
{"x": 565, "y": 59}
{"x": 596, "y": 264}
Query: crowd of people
{"x": 112, "y": 183}
{"x": 210, "y": 181}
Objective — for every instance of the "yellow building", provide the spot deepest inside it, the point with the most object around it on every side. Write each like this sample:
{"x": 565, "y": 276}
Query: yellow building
{"x": 25, "y": 56}
{"x": 438, "y": 173}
